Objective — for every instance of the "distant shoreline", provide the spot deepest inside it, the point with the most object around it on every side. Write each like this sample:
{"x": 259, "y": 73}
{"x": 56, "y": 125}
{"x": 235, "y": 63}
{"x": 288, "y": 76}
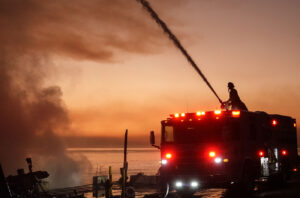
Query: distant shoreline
{"x": 113, "y": 149}
{"x": 116, "y": 149}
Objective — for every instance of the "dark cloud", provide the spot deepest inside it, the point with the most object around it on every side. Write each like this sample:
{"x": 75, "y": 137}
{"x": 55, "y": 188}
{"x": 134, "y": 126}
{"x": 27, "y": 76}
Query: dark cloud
{"x": 79, "y": 29}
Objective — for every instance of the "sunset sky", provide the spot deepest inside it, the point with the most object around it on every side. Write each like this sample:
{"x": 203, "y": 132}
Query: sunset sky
{"x": 255, "y": 44}
{"x": 117, "y": 69}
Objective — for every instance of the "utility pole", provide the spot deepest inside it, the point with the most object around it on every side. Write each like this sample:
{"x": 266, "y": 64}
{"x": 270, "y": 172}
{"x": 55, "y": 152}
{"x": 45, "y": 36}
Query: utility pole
{"x": 125, "y": 166}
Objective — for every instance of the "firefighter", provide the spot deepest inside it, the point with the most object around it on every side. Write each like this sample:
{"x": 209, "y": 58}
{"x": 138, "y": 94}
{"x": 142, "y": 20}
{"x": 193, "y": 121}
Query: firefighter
{"x": 234, "y": 100}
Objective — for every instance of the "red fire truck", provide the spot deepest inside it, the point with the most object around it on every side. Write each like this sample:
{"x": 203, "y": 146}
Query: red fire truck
{"x": 226, "y": 148}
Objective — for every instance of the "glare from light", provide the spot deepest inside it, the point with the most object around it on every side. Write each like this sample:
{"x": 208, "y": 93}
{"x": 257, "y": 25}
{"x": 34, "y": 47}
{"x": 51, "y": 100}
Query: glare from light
{"x": 274, "y": 122}
{"x": 168, "y": 155}
{"x": 176, "y": 115}
{"x": 182, "y": 114}
{"x": 200, "y": 113}
{"x": 178, "y": 184}
{"x": 218, "y": 160}
{"x": 164, "y": 161}
{"x": 236, "y": 113}
{"x": 226, "y": 160}
{"x": 212, "y": 154}
{"x": 218, "y": 112}
{"x": 194, "y": 184}
{"x": 295, "y": 124}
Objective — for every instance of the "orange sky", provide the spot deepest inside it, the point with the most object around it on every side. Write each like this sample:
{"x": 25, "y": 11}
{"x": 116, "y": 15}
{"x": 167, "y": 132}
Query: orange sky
{"x": 254, "y": 44}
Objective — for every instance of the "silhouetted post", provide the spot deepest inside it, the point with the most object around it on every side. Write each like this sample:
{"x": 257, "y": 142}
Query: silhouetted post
{"x": 124, "y": 171}
{"x": 4, "y": 188}
{"x": 110, "y": 181}
{"x": 29, "y": 163}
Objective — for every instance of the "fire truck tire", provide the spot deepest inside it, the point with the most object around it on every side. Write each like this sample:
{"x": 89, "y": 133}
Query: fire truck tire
{"x": 164, "y": 188}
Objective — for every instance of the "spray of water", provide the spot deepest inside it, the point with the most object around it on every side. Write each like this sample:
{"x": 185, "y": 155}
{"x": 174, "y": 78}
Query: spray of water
{"x": 177, "y": 43}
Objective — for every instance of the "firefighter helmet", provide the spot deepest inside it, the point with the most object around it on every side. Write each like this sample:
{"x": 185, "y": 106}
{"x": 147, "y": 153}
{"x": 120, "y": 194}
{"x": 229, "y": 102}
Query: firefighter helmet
{"x": 230, "y": 85}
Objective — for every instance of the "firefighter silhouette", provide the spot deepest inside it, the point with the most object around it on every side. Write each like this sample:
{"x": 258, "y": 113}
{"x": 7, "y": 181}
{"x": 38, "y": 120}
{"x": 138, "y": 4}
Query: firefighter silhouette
{"x": 234, "y": 101}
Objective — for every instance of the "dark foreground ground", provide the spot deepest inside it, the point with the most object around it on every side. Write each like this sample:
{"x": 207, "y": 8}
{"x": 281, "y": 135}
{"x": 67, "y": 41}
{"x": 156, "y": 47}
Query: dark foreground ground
{"x": 290, "y": 190}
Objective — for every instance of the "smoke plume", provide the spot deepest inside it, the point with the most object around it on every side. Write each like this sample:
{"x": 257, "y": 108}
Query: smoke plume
{"x": 32, "y": 33}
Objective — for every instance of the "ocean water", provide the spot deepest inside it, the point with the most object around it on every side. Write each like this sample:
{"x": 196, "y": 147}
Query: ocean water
{"x": 145, "y": 160}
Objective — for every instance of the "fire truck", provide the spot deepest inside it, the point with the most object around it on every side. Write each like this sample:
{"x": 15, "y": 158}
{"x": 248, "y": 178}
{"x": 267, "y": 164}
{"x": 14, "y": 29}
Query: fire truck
{"x": 226, "y": 148}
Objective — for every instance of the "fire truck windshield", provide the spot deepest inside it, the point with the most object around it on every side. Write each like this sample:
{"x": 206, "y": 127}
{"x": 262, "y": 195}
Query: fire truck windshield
{"x": 201, "y": 132}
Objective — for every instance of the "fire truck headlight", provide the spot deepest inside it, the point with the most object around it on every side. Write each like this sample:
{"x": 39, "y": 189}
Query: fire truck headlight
{"x": 218, "y": 160}
{"x": 178, "y": 184}
{"x": 164, "y": 162}
{"x": 194, "y": 184}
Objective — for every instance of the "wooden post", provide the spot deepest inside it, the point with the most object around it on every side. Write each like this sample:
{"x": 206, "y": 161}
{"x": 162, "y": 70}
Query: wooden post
{"x": 110, "y": 181}
{"x": 124, "y": 171}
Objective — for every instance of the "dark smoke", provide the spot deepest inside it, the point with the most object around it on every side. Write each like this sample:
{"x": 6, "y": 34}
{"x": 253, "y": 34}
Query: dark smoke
{"x": 32, "y": 33}
{"x": 30, "y": 114}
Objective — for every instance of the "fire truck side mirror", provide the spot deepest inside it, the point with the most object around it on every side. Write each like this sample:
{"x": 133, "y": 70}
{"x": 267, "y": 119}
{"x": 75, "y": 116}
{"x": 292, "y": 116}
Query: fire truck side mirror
{"x": 152, "y": 138}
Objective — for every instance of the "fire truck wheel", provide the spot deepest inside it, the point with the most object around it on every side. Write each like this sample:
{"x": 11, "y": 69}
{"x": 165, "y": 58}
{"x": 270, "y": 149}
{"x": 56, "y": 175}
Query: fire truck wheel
{"x": 164, "y": 189}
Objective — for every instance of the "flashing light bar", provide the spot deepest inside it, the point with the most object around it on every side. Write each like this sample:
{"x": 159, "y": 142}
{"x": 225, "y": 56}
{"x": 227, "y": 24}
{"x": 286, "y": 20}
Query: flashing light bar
{"x": 218, "y": 112}
{"x": 235, "y": 113}
{"x": 200, "y": 113}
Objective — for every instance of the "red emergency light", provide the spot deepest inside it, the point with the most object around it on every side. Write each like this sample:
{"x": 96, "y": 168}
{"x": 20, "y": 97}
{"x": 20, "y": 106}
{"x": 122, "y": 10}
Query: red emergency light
{"x": 200, "y": 113}
{"x": 261, "y": 153}
{"x": 218, "y": 112}
{"x": 284, "y": 152}
{"x": 235, "y": 113}
{"x": 168, "y": 155}
{"x": 212, "y": 154}
{"x": 274, "y": 122}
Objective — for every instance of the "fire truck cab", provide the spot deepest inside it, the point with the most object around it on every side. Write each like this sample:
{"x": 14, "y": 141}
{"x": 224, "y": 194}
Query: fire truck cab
{"x": 223, "y": 148}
